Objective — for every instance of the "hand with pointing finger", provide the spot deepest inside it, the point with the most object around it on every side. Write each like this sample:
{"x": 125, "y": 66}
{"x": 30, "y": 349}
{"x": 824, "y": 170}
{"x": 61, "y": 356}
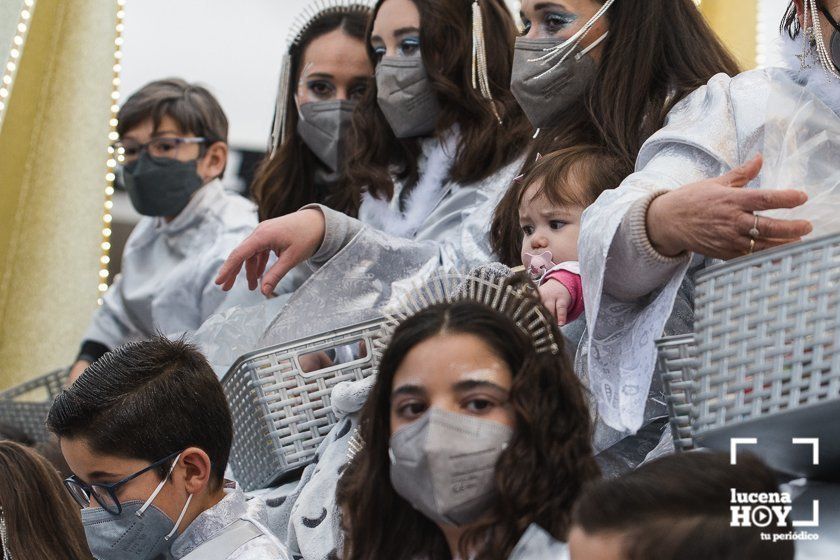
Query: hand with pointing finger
{"x": 293, "y": 238}
{"x": 716, "y": 217}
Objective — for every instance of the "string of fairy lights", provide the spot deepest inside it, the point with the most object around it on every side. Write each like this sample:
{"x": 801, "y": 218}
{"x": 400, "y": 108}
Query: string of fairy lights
{"x": 13, "y": 61}
{"x": 111, "y": 164}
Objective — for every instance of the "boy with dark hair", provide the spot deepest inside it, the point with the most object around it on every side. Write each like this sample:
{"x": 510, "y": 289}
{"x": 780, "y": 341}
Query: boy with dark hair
{"x": 172, "y": 150}
{"x": 147, "y": 431}
{"x": 677, "y": 507}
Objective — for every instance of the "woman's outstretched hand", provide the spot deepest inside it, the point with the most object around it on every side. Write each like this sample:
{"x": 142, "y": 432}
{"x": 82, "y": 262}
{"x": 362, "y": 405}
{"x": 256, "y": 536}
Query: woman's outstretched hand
{"x": 715, "y": 217}
{"x": 293, "y": 238}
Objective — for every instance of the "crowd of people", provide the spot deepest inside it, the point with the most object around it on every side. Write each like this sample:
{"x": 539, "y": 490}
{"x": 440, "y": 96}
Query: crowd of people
{"x": 583, "y": 161}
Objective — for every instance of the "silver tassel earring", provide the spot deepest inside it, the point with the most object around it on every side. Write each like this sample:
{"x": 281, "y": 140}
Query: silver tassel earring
{"x": 480, "y": 78}
{"x": 808, "y": 41}
{"x": 811, "y": 9}
{"x": 278, "y": 129}
{"x": 4, "y": 536}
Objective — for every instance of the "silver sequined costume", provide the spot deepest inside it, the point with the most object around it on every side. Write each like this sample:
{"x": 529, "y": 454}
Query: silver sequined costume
{"x": 630, "y": 289}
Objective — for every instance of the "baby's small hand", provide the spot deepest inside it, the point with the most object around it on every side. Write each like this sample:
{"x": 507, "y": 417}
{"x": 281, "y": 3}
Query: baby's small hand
{"x": 557, "y": 299}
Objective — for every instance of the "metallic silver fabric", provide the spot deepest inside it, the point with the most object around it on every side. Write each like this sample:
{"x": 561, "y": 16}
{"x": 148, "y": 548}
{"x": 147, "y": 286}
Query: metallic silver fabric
{"x": 211, "y": 525}
{"x": 360, "y": 273}
{"x": 717, "y": 128}
{"x": 538, "y": 544}
{"x": 168, "y": 270}
{"x": 359, "y": 280}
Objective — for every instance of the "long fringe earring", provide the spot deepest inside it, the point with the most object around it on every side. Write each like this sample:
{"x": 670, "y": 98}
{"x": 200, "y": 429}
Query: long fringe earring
{"x": 480, "y": 77}
{"x": 4, "y": 538}
{"x": 810, "y": 8}
{"x": 278, "y": 129}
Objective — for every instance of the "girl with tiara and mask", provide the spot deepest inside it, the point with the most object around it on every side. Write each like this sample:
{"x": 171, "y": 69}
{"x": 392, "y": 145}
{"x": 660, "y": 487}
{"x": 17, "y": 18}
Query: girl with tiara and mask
{"x": 325, "y": 72}
{"x": 686, "y": 206}
{"x": 475, "y": 440}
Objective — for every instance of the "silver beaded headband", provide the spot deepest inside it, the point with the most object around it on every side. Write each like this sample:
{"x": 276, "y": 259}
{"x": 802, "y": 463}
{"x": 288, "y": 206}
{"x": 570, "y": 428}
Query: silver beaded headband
{"x": 567, "y": 47}
{"x": 486, "y": 285}
{"x": 300, "y": 26}
{"x": 4, "y": 536}
{"x": 812, "y": 30}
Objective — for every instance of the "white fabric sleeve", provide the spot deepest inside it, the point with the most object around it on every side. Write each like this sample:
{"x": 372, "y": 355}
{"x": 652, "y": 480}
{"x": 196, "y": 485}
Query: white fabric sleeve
{"x": 628, "y": 302}
{"x": 629, "y": 289}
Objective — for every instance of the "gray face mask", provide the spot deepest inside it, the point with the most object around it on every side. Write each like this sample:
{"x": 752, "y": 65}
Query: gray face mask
{"x": 160, "y": 187}
{"x": 127, "y": 536}
{"x": 406, "y": 97}
{"x": 835, "y": 48}
{"x": 323, "y": 126}
{"x": 444, "y": 465}
{"x": 545, "y": 96}
{"x": 139, "y": 532}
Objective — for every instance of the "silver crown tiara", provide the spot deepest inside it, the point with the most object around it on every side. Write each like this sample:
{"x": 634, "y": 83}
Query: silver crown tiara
{"x": 301, "y": 24}
{"x": 311, "y": 13}
{"x": 486, "y": 285}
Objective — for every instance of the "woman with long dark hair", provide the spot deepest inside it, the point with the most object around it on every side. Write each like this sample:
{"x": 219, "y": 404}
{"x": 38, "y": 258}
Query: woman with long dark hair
{"x": 38, "y": 519}
{"x": 686, "y": 206}
{"x": 325, "y": 72}
{"x": 616, "y": 84}
{"x": 476, "y": 430}
{"x": 606, "y": 72}
{"x": 434, "y": 145}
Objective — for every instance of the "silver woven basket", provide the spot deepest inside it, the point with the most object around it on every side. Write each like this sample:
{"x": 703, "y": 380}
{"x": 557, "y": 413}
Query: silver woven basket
{"x": 26, "y": 406}
{"x": 678, "y": 366}
{"x": 768, "y": 339}
{"x": 282, "y": 410}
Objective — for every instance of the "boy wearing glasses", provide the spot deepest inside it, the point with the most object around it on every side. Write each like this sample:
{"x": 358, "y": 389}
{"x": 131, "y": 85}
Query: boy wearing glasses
{"x": 147, "y": 431}
{"x": 172, "y": 150}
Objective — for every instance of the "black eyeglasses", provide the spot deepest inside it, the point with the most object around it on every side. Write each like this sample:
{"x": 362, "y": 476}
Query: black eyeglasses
{"x": 163, "y": 148}
{"x": 106, "y": 494}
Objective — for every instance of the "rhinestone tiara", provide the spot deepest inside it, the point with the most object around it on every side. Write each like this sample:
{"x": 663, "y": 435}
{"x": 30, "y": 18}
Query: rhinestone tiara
{"x": 487, "y": 285}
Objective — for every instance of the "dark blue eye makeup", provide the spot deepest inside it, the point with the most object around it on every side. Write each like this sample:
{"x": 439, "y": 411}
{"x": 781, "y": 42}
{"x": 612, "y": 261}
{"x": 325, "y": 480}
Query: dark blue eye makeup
{"x": 557, "y": 21}
{"x": 409, "y": 46}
